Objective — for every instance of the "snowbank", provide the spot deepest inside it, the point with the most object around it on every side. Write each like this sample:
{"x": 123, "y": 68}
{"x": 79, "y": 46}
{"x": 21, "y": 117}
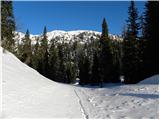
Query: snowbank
{"x": 151, "y": 80}
{"x": 27, "y": 94}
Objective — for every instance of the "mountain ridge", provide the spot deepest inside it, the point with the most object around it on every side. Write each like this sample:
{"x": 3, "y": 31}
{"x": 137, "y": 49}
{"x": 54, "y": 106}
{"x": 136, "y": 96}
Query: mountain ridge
{"x": 67, "y": 36}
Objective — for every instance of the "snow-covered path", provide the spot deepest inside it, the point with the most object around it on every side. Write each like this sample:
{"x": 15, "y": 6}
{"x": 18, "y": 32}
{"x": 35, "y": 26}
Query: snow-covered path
{"x": 121, "y": 101}
{"x": 27, "y": 94}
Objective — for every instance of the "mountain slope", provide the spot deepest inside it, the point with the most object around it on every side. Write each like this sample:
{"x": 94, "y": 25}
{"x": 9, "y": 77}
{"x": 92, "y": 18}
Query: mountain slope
{"x": 81, "y": 36}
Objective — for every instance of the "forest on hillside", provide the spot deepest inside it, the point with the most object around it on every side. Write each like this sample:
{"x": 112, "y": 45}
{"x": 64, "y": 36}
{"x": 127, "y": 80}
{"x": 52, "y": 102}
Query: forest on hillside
{"x": 97, "y": 61}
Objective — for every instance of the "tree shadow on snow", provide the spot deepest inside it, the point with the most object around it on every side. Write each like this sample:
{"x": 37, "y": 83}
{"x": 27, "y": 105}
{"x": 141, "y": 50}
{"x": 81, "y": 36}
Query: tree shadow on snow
{"x": 144, "y": 96}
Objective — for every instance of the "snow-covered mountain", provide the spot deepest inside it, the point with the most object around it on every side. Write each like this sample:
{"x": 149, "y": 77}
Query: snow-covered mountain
{"x": 81, "y": 36}
{"x": 27, "y": 94}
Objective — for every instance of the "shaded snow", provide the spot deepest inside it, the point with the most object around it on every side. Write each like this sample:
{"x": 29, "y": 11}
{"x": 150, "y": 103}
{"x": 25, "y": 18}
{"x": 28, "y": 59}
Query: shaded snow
{"x": 28, "y": 94}
{"x": 152, "y": 80}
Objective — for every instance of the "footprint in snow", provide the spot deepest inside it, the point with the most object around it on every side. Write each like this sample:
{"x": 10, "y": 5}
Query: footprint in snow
{"x": 108, "y": 116}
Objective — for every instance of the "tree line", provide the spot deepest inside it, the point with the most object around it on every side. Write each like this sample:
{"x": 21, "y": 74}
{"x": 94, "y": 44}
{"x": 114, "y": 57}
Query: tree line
{"x": 97, "y": 61}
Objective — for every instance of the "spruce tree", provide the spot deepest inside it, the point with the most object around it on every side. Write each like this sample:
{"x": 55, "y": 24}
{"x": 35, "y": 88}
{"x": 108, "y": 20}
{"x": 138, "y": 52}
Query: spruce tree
{"x": 106, "y": 58}
{"x": 84, "y": 70}
{"x": 36, "y": 57}
{"x": 132, "y": 22}
{"x": 116, "y": 63}
{"x": 7, "y": 26}
{"x": 131, "y": 58}
{"x": 70, "y": 72}
{"x": 151, "y": 36}
{"x": 62, "y": 76}
{"x": 95, "y": 77}
{"x": 44, "y": 53}
{"x": 53, "y": 62}
{"x": 27, "y": 51}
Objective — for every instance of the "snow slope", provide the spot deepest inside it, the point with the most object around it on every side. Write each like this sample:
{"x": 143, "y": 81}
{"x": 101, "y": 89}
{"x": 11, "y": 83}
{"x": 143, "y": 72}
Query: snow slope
{"x": 27, "y": 94}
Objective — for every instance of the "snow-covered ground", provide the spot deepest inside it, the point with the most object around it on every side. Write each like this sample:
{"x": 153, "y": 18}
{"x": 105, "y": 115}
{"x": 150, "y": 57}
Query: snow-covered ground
{"x": 27, "y": 94}
{"x": 121, "y": 101}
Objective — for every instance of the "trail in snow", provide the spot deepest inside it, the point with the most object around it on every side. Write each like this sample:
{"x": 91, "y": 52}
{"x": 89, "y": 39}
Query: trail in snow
{"x": 84, "y": 113}
{"x": 139, "y": 101}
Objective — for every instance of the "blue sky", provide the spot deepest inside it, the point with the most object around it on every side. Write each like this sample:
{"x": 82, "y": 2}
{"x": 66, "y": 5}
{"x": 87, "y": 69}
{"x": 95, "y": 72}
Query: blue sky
{"x": 72, "y": 15}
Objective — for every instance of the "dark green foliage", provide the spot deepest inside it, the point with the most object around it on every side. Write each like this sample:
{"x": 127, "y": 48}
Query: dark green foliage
{"x": 27, "y": 51}
{"x": 151, "y": 38}
{"x": 131, "y": 59}
{"x": 71, "y": 72}
{"x": 84, "y": 68}
{"x": 106, "y": 58}
{"x": 36, "y": 57}
{"x": 53, "y": 62}
{"x": 43, "y": 64}
{"x": 132, "y": 22}
{"x": 104, "y": 29}
{"x": 95, "y": 76}
{"x": 7, "y": 26}
{"x": 116, "y": 69}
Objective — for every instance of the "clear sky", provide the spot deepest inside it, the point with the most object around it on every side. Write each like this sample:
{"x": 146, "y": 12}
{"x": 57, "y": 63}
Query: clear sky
{"x": 68, "y": 16}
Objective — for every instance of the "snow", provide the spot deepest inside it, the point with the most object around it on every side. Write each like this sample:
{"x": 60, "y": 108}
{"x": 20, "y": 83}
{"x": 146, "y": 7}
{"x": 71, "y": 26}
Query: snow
{"x": 66, "y": 36}
{"x": 152, "y": 80}
{"x": 0, "y": 81}
{"x": 117, "y": 101}
{"x": 27, "y": 94}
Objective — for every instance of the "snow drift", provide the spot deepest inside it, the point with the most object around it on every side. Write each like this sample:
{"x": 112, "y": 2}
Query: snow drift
{"x": 27, "y": 94}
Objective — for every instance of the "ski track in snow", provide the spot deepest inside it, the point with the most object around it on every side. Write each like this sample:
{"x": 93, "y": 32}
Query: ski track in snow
{"x": 84, "y": 113}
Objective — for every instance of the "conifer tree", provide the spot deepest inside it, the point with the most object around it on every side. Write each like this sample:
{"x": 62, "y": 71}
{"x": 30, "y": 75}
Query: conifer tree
{"x": 53, "y": 61}
{"x": 36, "y": 57}
{"x": 151, "y": 36}
{"x": 116, "y": 63}
{"x": 131, "y": 58}
{"x": 7, "y": 26}
{"x": 27, "y": 51}
{"x": 95, "y": 77}
{"x": 70, "y": 72}
{"x": 44, "y": 53}
{"x": 132, "y": 22}
{"x": 62, "y": 77}
{"x": 84, "y": 70}
{"x": 106, "y": 58}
